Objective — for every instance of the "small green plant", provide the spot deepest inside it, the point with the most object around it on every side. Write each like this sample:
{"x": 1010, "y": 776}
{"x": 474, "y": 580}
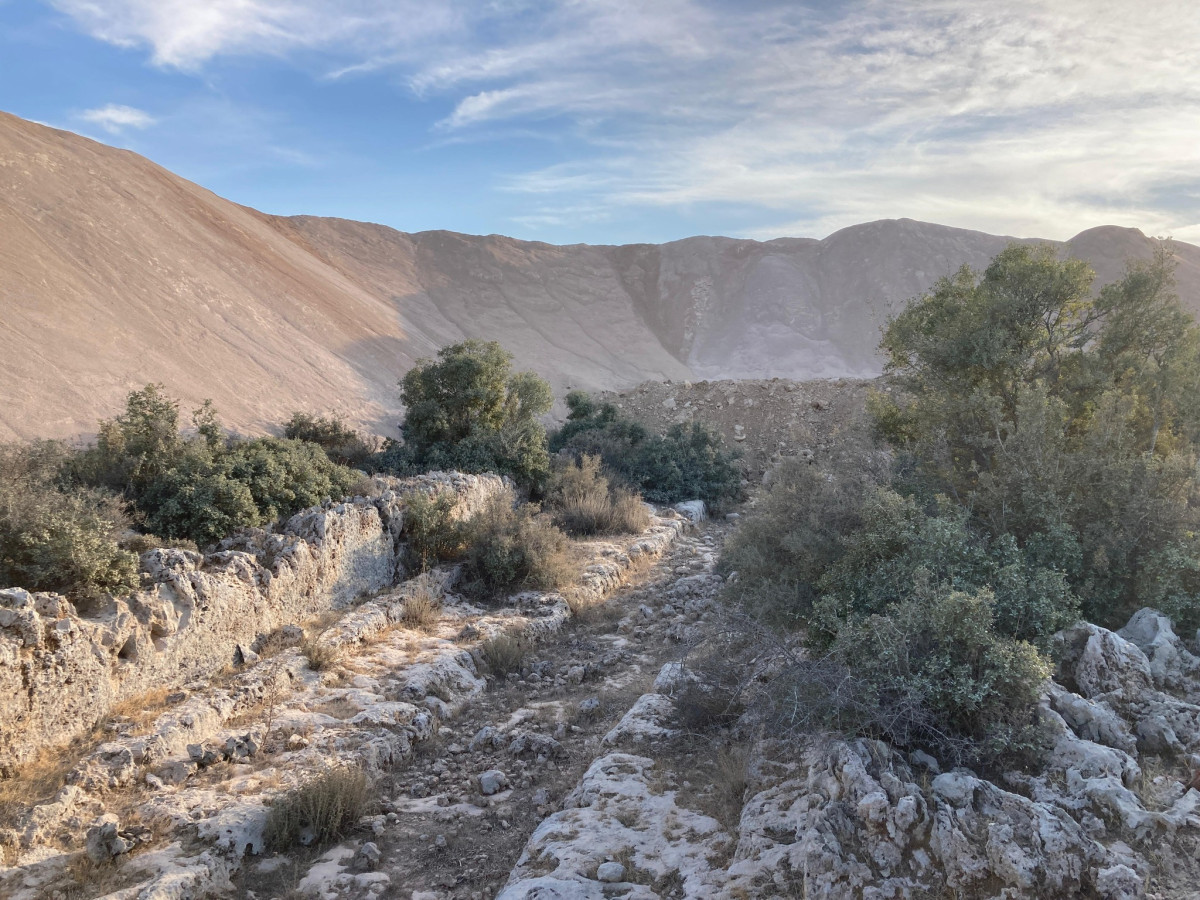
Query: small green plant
{"x": 431, "y": 529}
{"x": 319, "y": 811}
{"x": 513, "y": 548}
{"x": 584, "y": 502}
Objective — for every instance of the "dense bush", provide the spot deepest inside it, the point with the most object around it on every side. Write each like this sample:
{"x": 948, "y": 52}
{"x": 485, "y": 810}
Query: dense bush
{"x": 204, "y": 486}
{"x": 686, "y": 463}
{"x": 900, "y": 549}
{"x": 209, "y": 493}
{"x": 791, "y": 537}
{"x": 511, "y": 548}
{"x": 341, "y": 443}
{"x": 583, "y": 502}
{"x": 1066, "y": 421}
{"x": 57, "y": 536}
{"x": 468, "y": 411}
{"x": 931, "y": 671}
{"x": 1044, "y": 447}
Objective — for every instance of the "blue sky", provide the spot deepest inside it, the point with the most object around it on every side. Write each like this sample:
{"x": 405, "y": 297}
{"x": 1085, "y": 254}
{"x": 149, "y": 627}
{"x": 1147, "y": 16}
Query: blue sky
{"x": 613, "y": 121}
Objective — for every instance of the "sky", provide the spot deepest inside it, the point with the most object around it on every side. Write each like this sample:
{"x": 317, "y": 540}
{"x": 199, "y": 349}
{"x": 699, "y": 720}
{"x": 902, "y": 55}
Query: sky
{"x": 617, "y": 121}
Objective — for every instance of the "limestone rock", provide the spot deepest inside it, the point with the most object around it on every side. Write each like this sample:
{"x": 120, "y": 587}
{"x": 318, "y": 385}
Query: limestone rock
{"x": 493, "y": 781}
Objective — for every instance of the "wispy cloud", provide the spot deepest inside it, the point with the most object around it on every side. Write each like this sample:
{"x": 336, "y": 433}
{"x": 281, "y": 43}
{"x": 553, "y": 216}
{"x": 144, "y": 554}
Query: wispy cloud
{"x": 1028, "y": 117}
{"x": 115, "y": 118}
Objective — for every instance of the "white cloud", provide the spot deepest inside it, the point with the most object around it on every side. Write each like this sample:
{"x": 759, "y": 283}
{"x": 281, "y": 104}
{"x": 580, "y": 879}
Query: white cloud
{"x": 1029, "y": 117}
{"x": 115, "y": 118}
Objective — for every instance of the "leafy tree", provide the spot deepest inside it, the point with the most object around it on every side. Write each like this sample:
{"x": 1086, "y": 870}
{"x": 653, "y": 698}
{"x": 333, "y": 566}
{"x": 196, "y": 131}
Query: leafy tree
{"x": 1066, "y": 421}
{"x": 467, "y": 410}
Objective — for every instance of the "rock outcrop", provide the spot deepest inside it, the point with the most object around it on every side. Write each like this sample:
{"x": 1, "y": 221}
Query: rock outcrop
{"x": 61, "y": 672}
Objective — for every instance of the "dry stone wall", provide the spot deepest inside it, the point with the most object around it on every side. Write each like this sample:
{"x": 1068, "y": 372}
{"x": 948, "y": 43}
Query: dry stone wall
{"x": 61, "y": 672}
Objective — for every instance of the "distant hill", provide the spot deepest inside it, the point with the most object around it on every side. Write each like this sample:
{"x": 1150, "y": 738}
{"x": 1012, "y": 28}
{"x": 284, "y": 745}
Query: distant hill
{"x": 115, "y": 272}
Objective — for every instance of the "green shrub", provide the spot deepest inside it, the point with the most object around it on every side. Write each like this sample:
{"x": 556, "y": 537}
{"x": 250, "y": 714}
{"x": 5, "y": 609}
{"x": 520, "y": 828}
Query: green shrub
{"x": 204, "y": 487}
{"x": 686, "y": 463}
{"x": 432, "y": 531}
{"x": 341, "y": 443}
{"x": 468, "y": 411}
{"x": 55, "y": 536}
{"x": 939, "y": 675}
{"x": 790, "y": 538}
{"x": 901, "y": 549}
{"x": 510, "y": 549}
{"x": 583, "y": 502}
{"x": 208, "y": 494}
{"x": 319, "y": 811}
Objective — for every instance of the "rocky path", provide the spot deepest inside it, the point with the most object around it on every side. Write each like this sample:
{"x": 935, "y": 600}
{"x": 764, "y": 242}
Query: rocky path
{"x": 454, "y": 817}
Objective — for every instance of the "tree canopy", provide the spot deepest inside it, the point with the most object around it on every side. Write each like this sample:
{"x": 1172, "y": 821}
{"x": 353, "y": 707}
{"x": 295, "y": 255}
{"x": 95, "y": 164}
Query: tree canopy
{"x": 468, "y": 410}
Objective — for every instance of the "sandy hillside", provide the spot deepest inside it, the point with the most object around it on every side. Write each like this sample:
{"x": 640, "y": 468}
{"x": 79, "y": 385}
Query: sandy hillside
{"x": 115, "y": 272}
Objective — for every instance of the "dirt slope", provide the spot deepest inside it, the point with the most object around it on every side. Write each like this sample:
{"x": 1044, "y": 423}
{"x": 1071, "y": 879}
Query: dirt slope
{"x": 115, "y": 272}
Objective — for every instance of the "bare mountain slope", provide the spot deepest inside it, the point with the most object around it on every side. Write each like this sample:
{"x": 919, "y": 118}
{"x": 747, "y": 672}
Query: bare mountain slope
{"x": 115, "y": 272}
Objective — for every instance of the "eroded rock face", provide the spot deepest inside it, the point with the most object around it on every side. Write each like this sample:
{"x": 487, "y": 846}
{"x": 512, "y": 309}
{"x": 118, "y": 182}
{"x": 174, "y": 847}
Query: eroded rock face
{"x": 60, "y": 672}
{"x": 826, "y": 818}
{"x": 858, "y": 821}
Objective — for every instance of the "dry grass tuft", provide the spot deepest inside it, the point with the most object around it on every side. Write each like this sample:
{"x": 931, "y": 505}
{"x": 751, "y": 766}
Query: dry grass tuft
{"x": 584, "y": 502}
{"x": 422, "y": 611}
{"x": 505, "y": 652}
{"x": 319, "y": 811}
{"x": 320, "y": 655}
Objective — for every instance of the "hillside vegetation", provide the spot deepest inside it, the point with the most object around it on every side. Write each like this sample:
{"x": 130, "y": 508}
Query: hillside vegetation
{"x": 73, "y": 519}
{"x": 1042, "y": 468}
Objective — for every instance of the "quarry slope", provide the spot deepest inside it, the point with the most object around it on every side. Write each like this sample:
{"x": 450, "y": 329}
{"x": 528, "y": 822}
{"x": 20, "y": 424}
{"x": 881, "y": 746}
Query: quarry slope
{"x": 114, "y": 272}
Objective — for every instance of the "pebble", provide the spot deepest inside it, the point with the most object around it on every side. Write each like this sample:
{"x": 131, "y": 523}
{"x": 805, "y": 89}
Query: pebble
{"x": 492, "y": 782}
{"x": 610, "y": 872}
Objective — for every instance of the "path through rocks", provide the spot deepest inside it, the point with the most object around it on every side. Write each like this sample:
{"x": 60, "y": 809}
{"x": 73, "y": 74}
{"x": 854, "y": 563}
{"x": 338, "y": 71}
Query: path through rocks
{"x": 454, "y": 816}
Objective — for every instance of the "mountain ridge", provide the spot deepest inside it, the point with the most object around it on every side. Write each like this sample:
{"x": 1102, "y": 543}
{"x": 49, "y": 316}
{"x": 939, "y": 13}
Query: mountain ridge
{"x": 115, "y": 272}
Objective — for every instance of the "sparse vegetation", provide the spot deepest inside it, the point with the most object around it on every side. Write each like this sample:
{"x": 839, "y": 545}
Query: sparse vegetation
{"x": 584, "y": 502}
{"x": 511, "y": 548}
{"x": 686, "y": 463}
{"x": 319, "y": 811}
{"x": 505, "y": 652}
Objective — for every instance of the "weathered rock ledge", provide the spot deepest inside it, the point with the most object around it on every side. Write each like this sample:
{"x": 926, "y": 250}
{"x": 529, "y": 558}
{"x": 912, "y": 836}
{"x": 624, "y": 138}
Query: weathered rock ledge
{"x": 61, "y": 672}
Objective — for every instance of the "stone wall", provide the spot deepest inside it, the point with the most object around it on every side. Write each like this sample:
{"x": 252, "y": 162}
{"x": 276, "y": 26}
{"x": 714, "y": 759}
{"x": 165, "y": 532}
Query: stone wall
{"x": 60, "y": 672}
